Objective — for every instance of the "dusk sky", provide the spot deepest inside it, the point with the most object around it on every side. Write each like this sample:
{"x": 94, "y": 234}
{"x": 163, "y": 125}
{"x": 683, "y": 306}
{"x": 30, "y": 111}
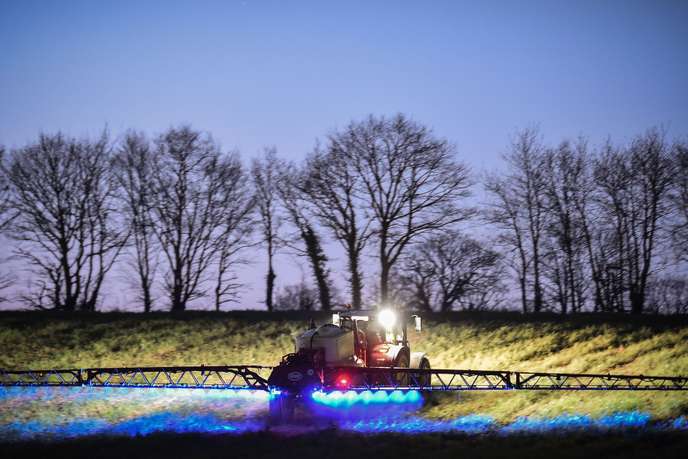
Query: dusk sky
{"x": 283, "y": 73}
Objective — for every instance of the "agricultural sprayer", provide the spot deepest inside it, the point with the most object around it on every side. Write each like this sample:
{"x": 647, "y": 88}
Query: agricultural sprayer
{"x": 364, "y": 352}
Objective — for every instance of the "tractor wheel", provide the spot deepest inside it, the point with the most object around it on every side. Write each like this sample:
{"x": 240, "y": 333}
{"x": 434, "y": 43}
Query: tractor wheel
{"x": 402, "y": 361}
{"x": 424, "y": 379}
{"x": 421, "y": 379}
{"x": 281, "y": 409}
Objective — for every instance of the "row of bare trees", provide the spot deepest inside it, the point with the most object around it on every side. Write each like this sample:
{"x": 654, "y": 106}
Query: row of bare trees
{"x": 590, "y": 229}
{"x": 73, "y": 207}
{"x": 63, "y": 219}
{"x": 580, "y": 228}
{"x": 381, "y": 183}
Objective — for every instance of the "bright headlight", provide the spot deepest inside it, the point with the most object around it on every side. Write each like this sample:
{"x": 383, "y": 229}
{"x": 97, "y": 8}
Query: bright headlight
{"x": 387, "y": 318}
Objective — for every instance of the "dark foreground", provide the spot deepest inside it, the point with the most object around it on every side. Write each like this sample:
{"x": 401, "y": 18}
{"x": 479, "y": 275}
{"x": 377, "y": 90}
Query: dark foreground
{"x": 332, "y": 444}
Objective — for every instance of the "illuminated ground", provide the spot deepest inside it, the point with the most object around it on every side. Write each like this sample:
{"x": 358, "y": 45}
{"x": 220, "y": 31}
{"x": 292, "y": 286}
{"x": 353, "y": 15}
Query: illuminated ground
{"x": 98, "y": 422}
{"x": 62, "y": 413}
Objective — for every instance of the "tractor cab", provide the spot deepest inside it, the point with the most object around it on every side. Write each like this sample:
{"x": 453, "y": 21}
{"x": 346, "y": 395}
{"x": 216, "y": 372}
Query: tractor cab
{"x": 378, "y": 336}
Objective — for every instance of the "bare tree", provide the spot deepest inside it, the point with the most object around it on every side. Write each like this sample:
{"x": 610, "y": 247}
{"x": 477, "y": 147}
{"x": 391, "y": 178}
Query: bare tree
{"x": 265, "y": 173}
{"x": 588, "y": 232}
{"x": 612, "y": 179}
{"x": 189, "y": 208}
{"x": 679, "y": 198}
{"x": 330, "y": 182}
{"x": 135, "y": 164}
{"x": 297, "y": 208}
{"x": 505, "y": 213}
{"x": 518, "y": 209}
{"x": 235, "y": 227}
{"x": 452, "y": 271}
{"x": 634, "y": 185}
{"x": 408, "y": 177}
{"x": 66, "y": 226}
{"x": 6, "y": 213}
{"x": 566, "y": 175}
{"x": 6, "y": 279}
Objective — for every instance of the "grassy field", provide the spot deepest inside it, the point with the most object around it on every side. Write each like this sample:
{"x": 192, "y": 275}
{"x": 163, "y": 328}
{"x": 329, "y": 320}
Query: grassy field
{"x": 469, "y": 341}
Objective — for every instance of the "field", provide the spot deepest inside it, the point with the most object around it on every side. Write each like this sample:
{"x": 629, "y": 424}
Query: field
{"x": 656, "y": 345}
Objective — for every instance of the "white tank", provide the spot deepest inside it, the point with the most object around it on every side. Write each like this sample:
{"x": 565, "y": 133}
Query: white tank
{"x": 337, "y": 343}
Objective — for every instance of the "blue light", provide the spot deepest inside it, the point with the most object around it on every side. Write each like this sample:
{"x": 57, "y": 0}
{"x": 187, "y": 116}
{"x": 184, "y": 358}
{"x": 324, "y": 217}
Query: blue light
{"x": 366, "y": 397}
{"x": 413, "y": 396}
{"x": 397, "y": 397}
{"x": 352, "y": 398}
{"x": 680, "y": 423}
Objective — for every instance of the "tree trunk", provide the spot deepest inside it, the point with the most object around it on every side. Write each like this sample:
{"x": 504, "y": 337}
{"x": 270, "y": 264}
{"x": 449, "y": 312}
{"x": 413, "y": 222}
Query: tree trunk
{"x": 147, "y": 299}
{"x": 177, "y": 303}
{"x": 524, "y": 298}
{"x": 384, "y": 268}
{"x": 270, "y": 285}
{"x": 384, "y": 283}
{"x": 572, "y": 281}
{"x": 355, "y": 280}
{"x": 537, "y": 286}
{"x": 637, "y": 300}
{"x": 218, "y": 288}
{"x": 318, "y": 259}
{"x": 144, "y": 269}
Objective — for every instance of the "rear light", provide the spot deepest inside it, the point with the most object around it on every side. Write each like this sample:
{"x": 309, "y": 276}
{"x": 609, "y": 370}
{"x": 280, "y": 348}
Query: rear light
{"x": 343, "y": 381}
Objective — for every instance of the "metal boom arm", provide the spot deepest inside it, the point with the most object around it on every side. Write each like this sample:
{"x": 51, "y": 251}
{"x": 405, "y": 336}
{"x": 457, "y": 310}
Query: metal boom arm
{"x": 205, "y": 377}
{"x": 457, "y": 380}
{"x": 255, "y": 377}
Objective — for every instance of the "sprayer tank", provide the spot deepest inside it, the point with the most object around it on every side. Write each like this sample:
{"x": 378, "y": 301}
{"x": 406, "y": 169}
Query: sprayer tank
{"x": 337, "y": 343}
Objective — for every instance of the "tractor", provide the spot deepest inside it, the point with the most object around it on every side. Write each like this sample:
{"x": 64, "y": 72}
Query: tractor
{"x": 326, "y": 357}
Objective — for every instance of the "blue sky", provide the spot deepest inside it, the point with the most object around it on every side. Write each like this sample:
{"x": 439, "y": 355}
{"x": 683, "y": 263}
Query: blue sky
{"x": 257, "y": 73}
{"x": 282, "y": 73}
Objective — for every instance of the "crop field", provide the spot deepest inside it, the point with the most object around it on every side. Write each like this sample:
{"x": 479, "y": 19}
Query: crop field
{"x": 94, "y": 422}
